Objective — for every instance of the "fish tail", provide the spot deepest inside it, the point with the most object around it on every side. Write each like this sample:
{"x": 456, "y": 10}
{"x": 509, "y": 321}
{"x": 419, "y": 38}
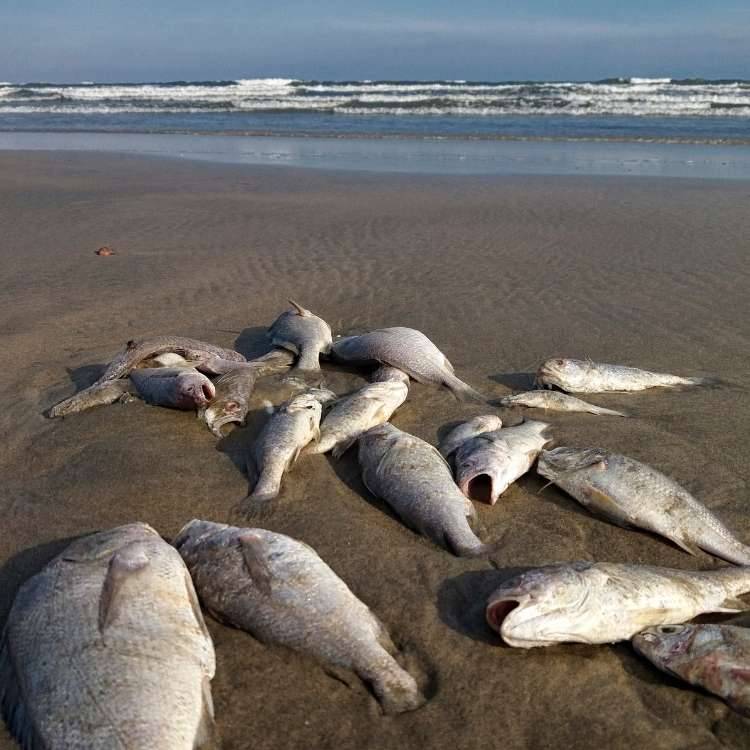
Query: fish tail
{"x": 396, "y": 689}
{"x": 601, "y": 411}
{"x": 462, "y": 391}
{"x": 257, "y": 507}
{"x": 706, "y": 382}
{"x": 309, "y": 359}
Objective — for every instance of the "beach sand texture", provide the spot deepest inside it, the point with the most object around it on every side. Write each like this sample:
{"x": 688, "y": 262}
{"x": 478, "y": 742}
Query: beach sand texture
{"x": 500, "y": 273}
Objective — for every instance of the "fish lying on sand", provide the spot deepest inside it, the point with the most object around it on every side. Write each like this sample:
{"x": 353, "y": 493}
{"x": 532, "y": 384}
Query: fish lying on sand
{"x": 556, "y": 401}
{"x": 234, "y": 389}
{"x": 136, "y": 352}
{"x": 408, "y": 350}
{"x": 303, "y": 333}
{"x": 585, "y": 602}
{"x": 415, "y": 480}
{"x": 290, "y": 428}
{"x": 368, "y": 407}
{"x": 486, "y": 465}
{"x": 630, "y": 493}
{"x": 279, "y": 590}
{"x": 713, "y": 657}
{"x": 467, "y": 430}
{"x": 106, "y": 647}
{"x": 585, "y": 376}
{"x": 387, "y": 373}
{"x": 175, "y": 387}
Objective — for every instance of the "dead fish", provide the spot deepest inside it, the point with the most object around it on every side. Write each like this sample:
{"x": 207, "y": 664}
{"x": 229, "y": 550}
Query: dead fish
{"x": 136, "y": 352}
{"x": 486, "y": 465}
{"x": 234, "y": 389}
{"x": 713, "y": 657}
{"x": 585, "y": 376}
{"x": 291, "y": 427}
{"x": 585, "y": 602}
{"x": 303, "y": 333}
{"x": 387, "y": 373}
{"x": 408, "y": 350}
{"x": 106, "y": 647}
{"x": 351, "y": 416}
{"x": 556, "y": 401}
{"x": 630, "y": 493}
{"x": 415, "y": 480}
{"x": 280, "y": 591}
{"x": 175, "y": 387}
{"x": 467, "y": 430}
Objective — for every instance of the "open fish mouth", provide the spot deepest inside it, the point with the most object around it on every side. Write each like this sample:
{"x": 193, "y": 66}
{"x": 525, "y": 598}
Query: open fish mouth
{"x": 479, "y": 487}
{"x": 498, "y": 610}
{"x": 217, "y": 422}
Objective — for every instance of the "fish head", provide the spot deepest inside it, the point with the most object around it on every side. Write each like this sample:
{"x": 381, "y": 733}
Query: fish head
{"x": 484, "y": 469}
{"x": 566, "y": 374}
{"x": 537, "y": 608}
{"x": 194, "y": 390}
{"x": 388, "y": 374}
{"x": 308, "y": 402}
{"x": 559, "y": 462}
{"x": 223, "y": 411}
{"x": 195, "y": 531}
{"x": 666, "y": 644}
{"x": 376, "y": 442}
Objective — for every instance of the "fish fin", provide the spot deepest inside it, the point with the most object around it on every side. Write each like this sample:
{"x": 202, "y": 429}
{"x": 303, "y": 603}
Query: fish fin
{"x": 732, "y": 604}
{"x": 343, "y": 447}
{"x": 206, "y": 735}
{"x": 462, "y": 391}
{"x": 126, "y": 562}
{"x": 691, "y": 549}
{"x": 254, "y": 555}
{"x": 605, "y": 506}
{"x": 300, "y": 310}
{"x": 568, "y": 464}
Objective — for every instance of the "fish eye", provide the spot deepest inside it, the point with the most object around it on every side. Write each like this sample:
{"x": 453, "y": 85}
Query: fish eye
{"x": 559, "y": 362}
{"x": 669, "y": 629}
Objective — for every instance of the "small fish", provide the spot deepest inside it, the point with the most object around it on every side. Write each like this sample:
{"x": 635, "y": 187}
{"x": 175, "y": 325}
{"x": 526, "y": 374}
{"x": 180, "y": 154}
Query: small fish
{"x": 630, "y": 493}
{"x": 281, "y": 592}
{"x": 585, "y": 376}
{"x": 291, "y": 427}
{"x": 713, "y": 657}
{"x": 351, "y": 416}
{"x": 585, "y": 602}
{"x": 387, "y": 373}
{"x": 467, "y": 430}
{"x": 134, "y": 353}
{"x": 408, "y": 350}
{"x": 175, "y": 387}
{"x": 234, "y": 389}
{"x": 556, "y": 401}
{"x": 303, "y": 333}
{"x": 415, "y": 480}
{"x": 106, "y": 647}
{"x": 486, "y": 465}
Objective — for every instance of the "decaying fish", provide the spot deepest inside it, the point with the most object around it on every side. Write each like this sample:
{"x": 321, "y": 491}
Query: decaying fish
{"x": 630, "y": 493}
{"x": 585, "y": 602}
{"x": 714, "y": 657}
{"x": 291, "y": 427}
{"x": 556, "y": 401}
{"x": 408, "y": 350}
{"x": 303, "y": 333}
{"x": 281, "y": 592}
{"x": 234, "y": 389}
{"x": 467, "y": 430}
{"x": 350, "y": 417}
{"x": 136, "y": 352}
{"x": 106, "y": 647}
{"x": 585, "y": 376}
{"x": 175, "y": 387}
{"x": 387, "y": 373}
{"x": 486, "y": 465}
{"x": 414, "y": 479}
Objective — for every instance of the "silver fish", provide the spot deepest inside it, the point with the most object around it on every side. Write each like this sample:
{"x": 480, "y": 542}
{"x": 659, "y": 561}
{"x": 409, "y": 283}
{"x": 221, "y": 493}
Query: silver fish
{"x": 303, "y": 333}
{"x": 106, "y": 647}
{"x": 408, "y": 350}
{"x": 556, "y": 401}
{"x": 134, "y": 353}
{"x": 714, "y": 657}
{"x": 175, "y": 387}
{"x": 585, "y": 376}
{"x": 467, "y": 430}
{"x": 414, "y": 479}
{"x": 387, "y": 373}
{"x": 281, "y": 592}
{"x": 630, "y": 493}
{"x": 291, "y": 427}
{"x": 585, "y": 602}
{"x": 351, "y": 416}
{"x": 488, "y": 464}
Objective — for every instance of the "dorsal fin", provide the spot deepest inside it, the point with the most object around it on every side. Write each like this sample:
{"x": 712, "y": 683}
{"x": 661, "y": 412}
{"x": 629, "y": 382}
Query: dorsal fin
{"x": 126, "y": 562}
{"x": 254, "y": 554}
{"x": 300, "y": 310}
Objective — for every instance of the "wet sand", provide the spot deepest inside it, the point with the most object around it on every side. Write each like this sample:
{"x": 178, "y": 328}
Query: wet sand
{"x": 500, "y": 273}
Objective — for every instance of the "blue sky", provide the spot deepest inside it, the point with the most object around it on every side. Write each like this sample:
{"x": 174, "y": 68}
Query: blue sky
{"x": 134, "y": 40}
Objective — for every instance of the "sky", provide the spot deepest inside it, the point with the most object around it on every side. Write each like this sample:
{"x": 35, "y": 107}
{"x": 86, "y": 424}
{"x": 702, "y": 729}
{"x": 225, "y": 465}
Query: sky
{"x": 156, "y": 40}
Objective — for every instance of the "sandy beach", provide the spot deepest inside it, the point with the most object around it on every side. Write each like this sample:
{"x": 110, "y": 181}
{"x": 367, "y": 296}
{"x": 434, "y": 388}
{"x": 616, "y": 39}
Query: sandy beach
{"x": 501, "y": 273}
